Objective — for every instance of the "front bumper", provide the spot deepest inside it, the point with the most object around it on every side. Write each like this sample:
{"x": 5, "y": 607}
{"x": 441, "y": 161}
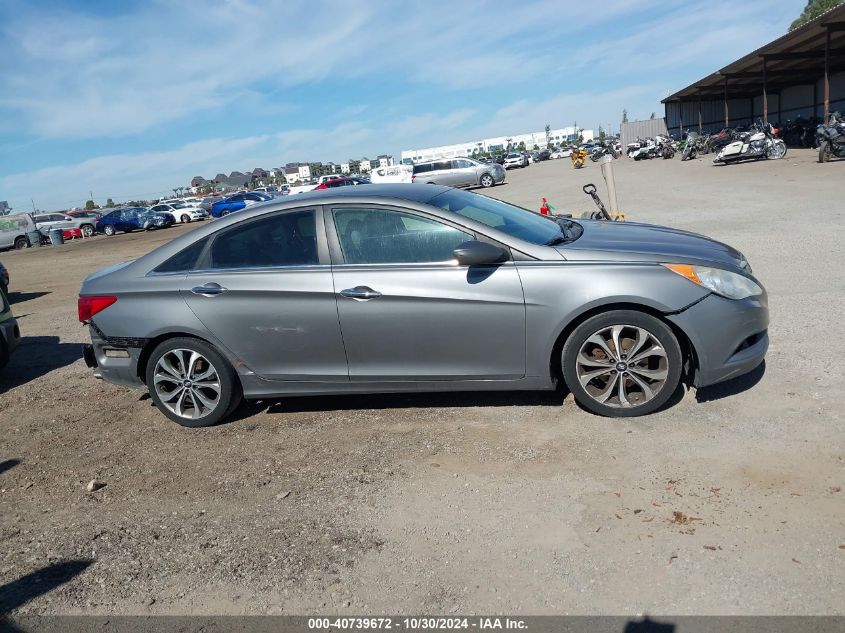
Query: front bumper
{"x": 113, "y": 360}
{"x": 729, "y": 337}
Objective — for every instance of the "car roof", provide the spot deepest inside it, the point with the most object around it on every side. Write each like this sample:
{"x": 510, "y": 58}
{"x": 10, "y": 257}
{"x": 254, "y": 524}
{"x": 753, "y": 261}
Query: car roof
{"x": 401, "y": 191}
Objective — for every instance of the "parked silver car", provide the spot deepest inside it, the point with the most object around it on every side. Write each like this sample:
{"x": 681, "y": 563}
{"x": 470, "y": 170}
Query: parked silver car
{"x": 459, "y": 172}
{"x": 398, "y": 288}
{"x": 46, "y": 221}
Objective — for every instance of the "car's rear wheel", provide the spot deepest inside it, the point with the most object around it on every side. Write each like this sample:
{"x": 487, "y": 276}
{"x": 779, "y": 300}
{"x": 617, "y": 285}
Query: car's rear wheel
{"x": 186, "y": 218}
{"x": 487, "y": 180}
{"x": 622, "y": 363}
{"x": 191, "y": 383}
{"x": 87, "y": 230}
{"x": 108, "y": 229}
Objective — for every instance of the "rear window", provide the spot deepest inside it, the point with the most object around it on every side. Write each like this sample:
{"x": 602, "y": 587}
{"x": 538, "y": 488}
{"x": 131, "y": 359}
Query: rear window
{"x": 286, "y": 239}
{"x": 185, "y": 260}
{"x": 442, "y": 165}
{"x": 419, "y": 169}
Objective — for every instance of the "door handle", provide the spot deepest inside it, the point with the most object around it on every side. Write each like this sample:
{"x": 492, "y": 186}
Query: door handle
{"x": 360, "y": 293}
{"x": 209, "y": 290}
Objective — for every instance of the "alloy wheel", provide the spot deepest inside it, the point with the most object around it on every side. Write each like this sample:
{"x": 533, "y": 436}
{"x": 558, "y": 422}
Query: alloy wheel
{"x": 187, "y": 383}
{"x": 622, "y": 366}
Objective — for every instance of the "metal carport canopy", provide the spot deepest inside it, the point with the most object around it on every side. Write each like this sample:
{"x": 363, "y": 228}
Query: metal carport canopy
{"x": 807, "y": 54}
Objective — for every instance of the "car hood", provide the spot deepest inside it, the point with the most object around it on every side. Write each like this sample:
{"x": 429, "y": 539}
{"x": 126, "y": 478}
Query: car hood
{"x": 632, "y": 241}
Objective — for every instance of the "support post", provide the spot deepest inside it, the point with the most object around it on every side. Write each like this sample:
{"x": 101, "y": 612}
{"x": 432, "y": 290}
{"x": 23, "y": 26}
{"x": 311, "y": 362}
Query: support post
{"x": 765, "y": 96}
{"x": 727, "y": 117}
{"x": 826, "y": 76}
{"x": 700, "y": 122}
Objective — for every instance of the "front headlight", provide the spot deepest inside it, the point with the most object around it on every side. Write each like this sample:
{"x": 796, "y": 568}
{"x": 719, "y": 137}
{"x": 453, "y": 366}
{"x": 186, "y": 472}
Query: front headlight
{"x": 722, "y": 282}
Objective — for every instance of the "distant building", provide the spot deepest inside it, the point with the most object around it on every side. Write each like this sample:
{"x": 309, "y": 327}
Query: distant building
{"x": 344, "y": 168}
{"x": 304, "y": 172}
{"x": 497, "y": 144}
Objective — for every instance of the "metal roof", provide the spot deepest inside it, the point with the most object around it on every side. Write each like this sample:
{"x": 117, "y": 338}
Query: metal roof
{"x": 795, "y": 58}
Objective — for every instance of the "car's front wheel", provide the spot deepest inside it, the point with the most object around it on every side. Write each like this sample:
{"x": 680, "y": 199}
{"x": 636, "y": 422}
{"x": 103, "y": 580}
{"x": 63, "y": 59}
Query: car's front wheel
{"x": 108, "y": 229}
{"x": 487, "y": 180}
{"x": 87, "y": 230}
{"x": 191, "y": 383}
{"x": 622, "y": 363}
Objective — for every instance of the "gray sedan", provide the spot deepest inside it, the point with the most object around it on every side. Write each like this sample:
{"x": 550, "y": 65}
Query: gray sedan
{"x": 409, "y": 288}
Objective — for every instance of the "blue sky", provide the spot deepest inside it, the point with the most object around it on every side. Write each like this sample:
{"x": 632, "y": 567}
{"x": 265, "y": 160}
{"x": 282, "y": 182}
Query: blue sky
{"x": 130, "y": 99}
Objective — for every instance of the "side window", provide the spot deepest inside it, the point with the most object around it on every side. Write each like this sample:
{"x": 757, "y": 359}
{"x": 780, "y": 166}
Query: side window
{"x": 285, "y": 239}
{"x": 183, "y": 261}
{"x": 376, "y": 236}
{"x": 461, "y": 164}
{"x": 442, "y": 165}
{"x": 420, "y": 169}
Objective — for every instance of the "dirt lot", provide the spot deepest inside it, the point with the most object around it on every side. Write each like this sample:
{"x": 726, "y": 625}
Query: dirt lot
{"x": 728, "y": 502}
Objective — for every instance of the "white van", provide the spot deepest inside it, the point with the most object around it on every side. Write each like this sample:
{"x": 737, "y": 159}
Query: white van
{"x": 13, "y": 230}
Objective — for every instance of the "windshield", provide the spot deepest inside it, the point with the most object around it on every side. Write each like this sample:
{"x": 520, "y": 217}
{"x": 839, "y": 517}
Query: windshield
{"x": 499, "y": 215}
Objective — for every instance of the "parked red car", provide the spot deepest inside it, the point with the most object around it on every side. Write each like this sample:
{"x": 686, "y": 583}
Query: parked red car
{"x": 342, "y": 182}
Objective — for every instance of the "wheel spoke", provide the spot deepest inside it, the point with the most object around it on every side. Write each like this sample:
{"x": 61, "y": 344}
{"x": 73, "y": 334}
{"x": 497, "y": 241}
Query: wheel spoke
{"x": 615, "y": 331}
{"x": 623, "y": 393}
{"x": 596, "y": 339}
{"x": 192, "y": 361}
{"x": 586, "y": 377}
{"x": 167, "y": 396}
{"x": 160, "y": 377}
{"x": 167, "y": 366}
{"x": 208, "y": 384}
{"x": 648, "y": 392}
{"x": 179, "y": 407}
{"x": 654, "y": 350}
{"x": 206, "y": 402}
{"x": 589, "y": 361}
{"x": 642, "y": 338}
{"x": 608, "y": 390}
{"x": 651, "y": 374}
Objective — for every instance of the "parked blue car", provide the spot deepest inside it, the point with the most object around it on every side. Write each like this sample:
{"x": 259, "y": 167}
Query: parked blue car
{"x": 238, "y": 201}
{"x": 133, "y": 219}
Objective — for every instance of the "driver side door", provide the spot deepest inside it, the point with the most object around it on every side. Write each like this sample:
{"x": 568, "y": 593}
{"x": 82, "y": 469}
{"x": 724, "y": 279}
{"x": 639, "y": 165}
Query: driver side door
{"x": 409, "y": 312}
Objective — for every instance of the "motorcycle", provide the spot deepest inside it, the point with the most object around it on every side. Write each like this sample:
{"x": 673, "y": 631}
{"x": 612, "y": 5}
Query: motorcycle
{"x": 757, "y": 142}
{"x": 831, "y": 138}
{"x": 633, "y": 148}
{"x": 646, "y": 151}
{"x": 691, "y": 147}
{"x": 665, "y": 146}
{"x": 603, "y": 150}
{"x": 578, "y": 157}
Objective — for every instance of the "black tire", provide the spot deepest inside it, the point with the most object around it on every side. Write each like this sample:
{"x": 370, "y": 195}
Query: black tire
{"x": 824, "y": 152}
{"x": 655, "y": 327}
{"x": 87, "y": 230}
{"x": 230, "y": 388}
{"x": 21, "y": 242}
{"x": 487, "y": 180}
{"x": 185, "y": 218}
{"x": 108, "y": 229}
{"x": 4, "y": 289}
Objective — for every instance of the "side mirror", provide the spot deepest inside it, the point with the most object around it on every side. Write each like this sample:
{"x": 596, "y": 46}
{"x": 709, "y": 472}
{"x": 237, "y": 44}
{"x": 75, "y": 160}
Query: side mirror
{"x": 473, "y": 253}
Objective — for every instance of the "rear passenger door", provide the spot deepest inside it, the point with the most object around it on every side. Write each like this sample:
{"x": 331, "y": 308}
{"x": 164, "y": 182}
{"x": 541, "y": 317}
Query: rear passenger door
{"x": 464, "y": 173}
{"x": 263, "y": 288}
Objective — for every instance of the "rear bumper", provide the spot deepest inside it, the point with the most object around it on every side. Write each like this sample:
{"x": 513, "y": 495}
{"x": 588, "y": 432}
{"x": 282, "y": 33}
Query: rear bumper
{"x": 11, "y": 334}
{"x": 729, "y": 338}
{"x": 113, "y": 361}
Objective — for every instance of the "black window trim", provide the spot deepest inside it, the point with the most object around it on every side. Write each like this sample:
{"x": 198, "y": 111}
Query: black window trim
{"x": 201, "y": 264}
{"x": 336, "y": 252}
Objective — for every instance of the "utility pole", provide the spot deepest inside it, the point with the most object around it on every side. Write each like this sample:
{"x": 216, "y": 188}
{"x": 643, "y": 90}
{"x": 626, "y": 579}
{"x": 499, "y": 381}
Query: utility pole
{"x": 33, "y": 204}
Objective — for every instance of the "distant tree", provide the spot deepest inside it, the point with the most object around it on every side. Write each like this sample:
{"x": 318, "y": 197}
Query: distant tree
{"x": 652, "y": 115}
{"x": 109, "y": 203}
{"x": 813, "y": 10}
{"x": 536, "y": 147}
{"x": 89, "y": 205}
{"x": 521, "y": 146}
{"x": 548, "y": 133}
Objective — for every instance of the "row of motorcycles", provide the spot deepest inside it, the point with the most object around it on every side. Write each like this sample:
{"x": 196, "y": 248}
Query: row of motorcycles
{"x": 760, "y": 140}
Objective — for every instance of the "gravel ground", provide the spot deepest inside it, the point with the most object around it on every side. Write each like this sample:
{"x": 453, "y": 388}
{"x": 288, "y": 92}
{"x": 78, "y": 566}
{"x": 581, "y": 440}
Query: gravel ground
{"x": 728, "y": 502}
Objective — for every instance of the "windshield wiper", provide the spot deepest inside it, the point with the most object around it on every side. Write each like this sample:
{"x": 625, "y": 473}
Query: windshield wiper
{"x": 569, "y": 232}
{"x": 560, "y": 239}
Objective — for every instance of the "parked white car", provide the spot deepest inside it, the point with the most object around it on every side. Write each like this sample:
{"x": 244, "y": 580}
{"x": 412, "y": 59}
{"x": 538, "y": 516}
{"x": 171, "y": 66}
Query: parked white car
{"x": 14, "y": 229}
{"x": 515, "y": 160}
{"x": 561, "y": 153}
{"x": 180, "y": 211}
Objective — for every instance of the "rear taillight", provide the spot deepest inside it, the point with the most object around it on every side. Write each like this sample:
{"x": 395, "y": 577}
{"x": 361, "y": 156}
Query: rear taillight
{"x": 88, "y": 306}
